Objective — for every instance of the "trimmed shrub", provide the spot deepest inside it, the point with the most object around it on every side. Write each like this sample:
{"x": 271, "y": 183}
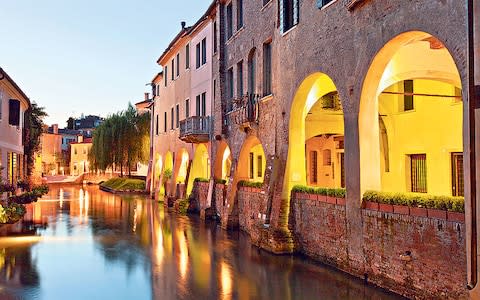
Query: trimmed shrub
{"x": 201, "y": 179}
{"x": 455, "y": 204}
{"x": 246, "y": 183}
{"x": 220, "y": 181}
{"x": 338, "y": 193}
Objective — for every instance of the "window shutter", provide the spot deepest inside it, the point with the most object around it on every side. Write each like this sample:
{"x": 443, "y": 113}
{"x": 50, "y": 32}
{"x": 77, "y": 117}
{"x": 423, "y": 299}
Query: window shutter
{"x": 296, "y": 8}
{"x": 14, "y": 112}
{"x": 281, "y": 15}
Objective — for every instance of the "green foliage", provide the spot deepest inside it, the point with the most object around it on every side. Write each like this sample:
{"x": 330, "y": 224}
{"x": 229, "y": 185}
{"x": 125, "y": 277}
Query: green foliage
{"x": 33, "y": 130}
{"x": 449, "y": 203}
{"x": 183, "y": 206}
{"x": 167, "y": 174}
{"x": 30, "y": 196}
{"x": 123, "y": 140}
{"x": 200, "y": 179}
{"x": 338, "y": 193}
{"x": 124, "y": 184}
{"x": 11, "y": 213}
{"x": 246, "y": 183}
{"x": 220, "y": 181}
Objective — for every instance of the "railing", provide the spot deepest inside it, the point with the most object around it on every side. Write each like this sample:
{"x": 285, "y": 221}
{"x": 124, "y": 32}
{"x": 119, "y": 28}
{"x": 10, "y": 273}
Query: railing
{"x": 243, "y": 110}
{"x": 195, "y": 129}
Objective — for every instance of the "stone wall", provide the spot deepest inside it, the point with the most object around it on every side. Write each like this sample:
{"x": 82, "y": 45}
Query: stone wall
{"x": 252, "y": 208}
{"x": 198, "y": 201}
{"x": 414, "y": 256}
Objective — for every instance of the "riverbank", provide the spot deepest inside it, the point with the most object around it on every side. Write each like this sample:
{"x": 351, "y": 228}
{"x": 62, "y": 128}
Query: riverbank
{"x": 123, "y": 186}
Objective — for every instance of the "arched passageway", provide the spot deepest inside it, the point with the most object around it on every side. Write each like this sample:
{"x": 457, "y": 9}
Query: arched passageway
{"x": 200, "y": 167}
{"x": 223, "y": 162}
{"x": 316, "y": 130}
{"x": 410, "y": 122}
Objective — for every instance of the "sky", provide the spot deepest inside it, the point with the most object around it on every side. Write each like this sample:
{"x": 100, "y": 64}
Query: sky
{"x": 77, "y": 57}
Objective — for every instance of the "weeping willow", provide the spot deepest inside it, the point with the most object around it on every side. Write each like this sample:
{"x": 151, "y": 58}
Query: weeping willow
{"x": 121, "y": 141}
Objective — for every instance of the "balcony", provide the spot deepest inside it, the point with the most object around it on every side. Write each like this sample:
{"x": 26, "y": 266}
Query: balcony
{"x": 195, "y": 129}
{"x": 243, "y": 111}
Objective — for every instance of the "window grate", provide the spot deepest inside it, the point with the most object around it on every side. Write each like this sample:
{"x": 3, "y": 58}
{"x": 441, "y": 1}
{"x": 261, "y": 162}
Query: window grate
{"x": 418, "y": 173}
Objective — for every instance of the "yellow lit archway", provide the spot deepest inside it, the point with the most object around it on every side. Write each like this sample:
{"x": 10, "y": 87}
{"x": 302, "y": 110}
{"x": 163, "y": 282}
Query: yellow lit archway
{"x": 158, "y": 170}
{"x": 223, "y": 161}
{"x": 310, "y": 91}
{"x": 200, "y": 167}
{"x": 250, "y": 166}
{"x": 167, "y": 165}
{"x": 410, "y": 121}
{"x": 181, "y": 166}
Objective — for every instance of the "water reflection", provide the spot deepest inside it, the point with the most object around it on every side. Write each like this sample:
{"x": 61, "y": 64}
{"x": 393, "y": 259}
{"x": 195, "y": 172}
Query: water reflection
{"x": 82, "y": 243}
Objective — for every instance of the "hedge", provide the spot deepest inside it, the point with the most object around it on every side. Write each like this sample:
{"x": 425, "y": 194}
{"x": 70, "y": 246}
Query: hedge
{"x": 339, "y": 193}
{"x": 124, "y": 184}
{"x": 246, "y": 183}
{"x": 455, "y": 204}
{"x": 201, "y": 179}
{"x": 220, "y": 181}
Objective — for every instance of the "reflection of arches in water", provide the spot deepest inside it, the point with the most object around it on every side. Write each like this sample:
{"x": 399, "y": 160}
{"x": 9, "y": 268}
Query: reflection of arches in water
{"x": 410, "y": 121}
{"x": 200, "y": 167}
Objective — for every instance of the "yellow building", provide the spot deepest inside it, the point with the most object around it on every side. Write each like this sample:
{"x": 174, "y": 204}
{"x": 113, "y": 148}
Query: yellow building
{"x": 79, "y": 156}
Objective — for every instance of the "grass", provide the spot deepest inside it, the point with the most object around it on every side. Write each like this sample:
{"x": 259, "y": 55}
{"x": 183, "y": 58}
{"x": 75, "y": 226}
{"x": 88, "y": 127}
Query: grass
{"x": 339, "y": 193}
{"x": 124, "y": 184}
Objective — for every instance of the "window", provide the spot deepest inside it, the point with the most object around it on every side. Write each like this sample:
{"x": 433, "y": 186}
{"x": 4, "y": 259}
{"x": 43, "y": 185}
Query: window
{"x": 230, "y": 83}
{"x": 408, "y": 95}
{"x": 259, "y": 166}
{"x": 172, "y": 118}
{"x": 457, "y": 174}
{"x": 198, "y": 55}
{"x": 214, "y": 37}
{"x": 165, "y": 75}
{"x": 229, "y": 21}
{"x": 177, "y": 114}
{"x": 322, "y": 3}
{"x": 418, "y": 173}
{"x": 251, "y": 72}
{"x": 165, "y": 122}
{"x": 84, "y": 151}
{"x": 314, "y": 166}
{"x": 240, "y": 78}
{"x": 173, "y": 68}
{"x": 204, "y": 51}
{"x": 267, "y": 69}
{"x": 75, "y": 151}
{"x": 187, "y": 108}
{"x": 239, "y": 14}
{"x": 288, "y": 14}
{"x": 203, "y": 112}
{"x": 327, "y": 157}
{"x": 251, "y": 169}
{"x": 178, "y": 64}
{"x": 197, "y": 105}
{"x": 156, "y": 125}
{"x": 14, "y": 112}
{"x": 187, "y": 56}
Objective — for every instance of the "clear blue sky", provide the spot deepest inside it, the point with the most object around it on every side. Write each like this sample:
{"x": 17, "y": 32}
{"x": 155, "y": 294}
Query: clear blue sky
{"x": 88, "y": 56}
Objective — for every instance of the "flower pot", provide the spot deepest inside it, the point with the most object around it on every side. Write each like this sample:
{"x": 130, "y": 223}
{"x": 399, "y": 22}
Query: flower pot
{"x": 437, "y": 213}
{"x": 341, "y": 201}
{"x": 385, "y": 207}
{"x": 401, "y": 209}
{"x": 418, "y": 211}
{"x": 331, "y": 200}
{"x": 456, "y": 216}
{"x": 371, "y": 205}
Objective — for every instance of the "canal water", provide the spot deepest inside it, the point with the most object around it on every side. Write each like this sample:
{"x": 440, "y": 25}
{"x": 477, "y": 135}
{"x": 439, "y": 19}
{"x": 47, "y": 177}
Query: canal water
{"x": 82, "y": 243}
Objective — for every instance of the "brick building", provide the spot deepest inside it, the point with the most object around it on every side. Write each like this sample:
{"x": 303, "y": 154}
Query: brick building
{"x": 355, "y": 94}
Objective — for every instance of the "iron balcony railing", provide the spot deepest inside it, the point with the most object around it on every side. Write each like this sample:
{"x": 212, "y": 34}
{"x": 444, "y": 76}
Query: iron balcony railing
{"x": 243, "y": 110}
{"x": 195, "y": 129}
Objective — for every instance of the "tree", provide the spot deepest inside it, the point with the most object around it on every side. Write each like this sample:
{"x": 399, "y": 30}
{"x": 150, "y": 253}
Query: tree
{"x": 33, "y": 130}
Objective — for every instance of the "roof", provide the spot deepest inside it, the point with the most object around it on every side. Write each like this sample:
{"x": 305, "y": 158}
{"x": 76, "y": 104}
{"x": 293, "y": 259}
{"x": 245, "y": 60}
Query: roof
{"x": 158, "y": 75}
{"x": 144, "y": 104}
{"x": 85, "y": 141}
{"x": 187, "y": 31}
{"x": 4, "y": 75}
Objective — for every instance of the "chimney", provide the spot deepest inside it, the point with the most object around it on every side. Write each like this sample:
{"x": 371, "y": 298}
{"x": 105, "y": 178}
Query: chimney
{"x": 80, "y": 138}
{"x": 55, "y": 128}
{"x": 183, "y": 24}
{"x": 147, "y": 96}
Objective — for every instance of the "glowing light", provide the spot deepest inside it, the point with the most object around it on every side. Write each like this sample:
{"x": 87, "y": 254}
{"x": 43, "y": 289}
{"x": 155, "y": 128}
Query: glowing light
{"x": 226, "y": 280}
{"x": 183, "y": 255}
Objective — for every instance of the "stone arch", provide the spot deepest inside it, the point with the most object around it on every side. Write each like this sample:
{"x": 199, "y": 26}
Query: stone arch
{"x": 223, "y": 161}
{"x": 200, "y": 167}
{"x": 251, "y": 143}
{"x": 307, "y": 95}
{"x": 410, "y": 56}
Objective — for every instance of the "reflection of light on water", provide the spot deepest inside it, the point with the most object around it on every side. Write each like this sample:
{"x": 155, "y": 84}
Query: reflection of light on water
{"x": 80, "y": 203}
{"x": 226, "y": 280}
{"x": 183, "y": 259}
{"x": 20, "y": 240}
{"x": 134, "y": 219}
{"x": 87, "y": 203}
{"x": 61, "y": 197}
{"x": 159, "y": 251}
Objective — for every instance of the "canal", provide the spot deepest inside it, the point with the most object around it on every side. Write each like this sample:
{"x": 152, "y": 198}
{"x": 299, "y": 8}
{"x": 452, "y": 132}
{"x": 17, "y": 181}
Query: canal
{"x": 82, "y": 243}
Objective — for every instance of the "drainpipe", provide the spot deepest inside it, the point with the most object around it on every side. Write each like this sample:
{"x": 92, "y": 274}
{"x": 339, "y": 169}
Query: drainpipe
{"x": 472, "y": 105}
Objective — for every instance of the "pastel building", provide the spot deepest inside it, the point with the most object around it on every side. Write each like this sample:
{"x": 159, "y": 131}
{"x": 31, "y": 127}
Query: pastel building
{"x": 13, "y": 106}
{"x": 79, "y": 163}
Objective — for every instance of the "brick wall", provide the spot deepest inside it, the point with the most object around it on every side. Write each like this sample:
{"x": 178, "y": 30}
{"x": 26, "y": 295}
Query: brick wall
{"x": 414, "y": 256}
{"x": 252, "y": 208}
{"x": 200, "y": 194}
